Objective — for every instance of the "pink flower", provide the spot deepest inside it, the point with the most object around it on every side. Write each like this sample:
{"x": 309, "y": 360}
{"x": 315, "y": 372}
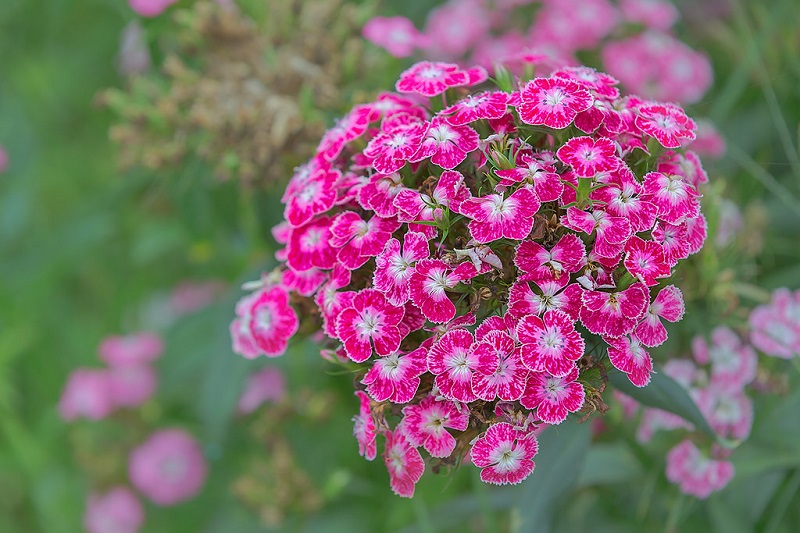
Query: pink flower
{"x": 695, "y": 474}
{"x": 397, "y": 35}
{"x": 304, "y": 283}
{"x": 553, "y": 397}
{"x": 396, "y": 377}
{"x": 614, "y": 314}
{"x": 599, "y": 82}
{"x": 501, "y": 374}
{"x": 379, "y": 192}
{"x": 453, "y": 361}
{"x": 425, "y": 424}
{"x": 403, "y": 462}
{"x": 364, "y": 428}
{"x": 541, "y": 265}
{"x": 370, "y": 319}
{"x": 131, "y": 386}
{"x": 150, "y": 8}
{"x": 536, "y": 173}
{"x": 357, "y": 240}
{"x": 656, "y": 14}
{"x": 400, "y": 138}
{"x": 622, "y": 195}
{"x": 413, "y": 205}
{"x": 394, "y": 268}
{"x": 310, "y": 192}
{"x": 116, "y": 511}
{"x": 728, "y": 410}
{"x": 331, "y": 301}
{"x": 574, "y": 24}
{"x": 430, "y": 79}
{"x": 522, "y": 300}
{"x": 612, "y": 232}
{"x": 309, "y": 247}
{"x": 775, "y": 327}
{"x": 87, "y": 394}
{"x": 266, "y": 385}
{"x": 550, "y": 344}
{"x": 589, "y": 157}
{"x": 446, "y": 145}
{"x": 645, "y": 260}
{"x": 734, "y": 363}
{"x": 628, "y": 355}
{"x": 131, "y": 350}
{"x": 667, "y": 123}
{"x": 674, "y": 240}
{"x": 667, "y": 305}
{"x": 3, "y": 160}
{"x": 350, "y": 127}
{"x": 504, "y": 454}
{"x": 488, "y": 105}
{"x": 454, "y": 27}
{"x": 168, "y": 467}
{"x": 552, "y": 102}
{"x": 429, "y": 283}
{"x": 676, "y": 200}
{"x": 264, "y": 324}
{"x": 494, "y": 217}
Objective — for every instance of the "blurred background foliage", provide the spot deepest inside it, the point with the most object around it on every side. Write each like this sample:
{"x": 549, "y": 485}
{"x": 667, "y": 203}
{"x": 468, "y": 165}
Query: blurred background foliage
{"x": 88, "y": 248}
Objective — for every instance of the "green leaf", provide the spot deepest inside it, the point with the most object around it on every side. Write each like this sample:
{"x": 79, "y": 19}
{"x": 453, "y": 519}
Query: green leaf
{"x": 562, "y": 452}
{"x": 666, "y": 394}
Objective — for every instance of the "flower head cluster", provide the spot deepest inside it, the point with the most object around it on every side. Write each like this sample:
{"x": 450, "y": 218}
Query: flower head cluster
{"x": 460, "y": 261}
{"x": 128, "y": 381}
{"x": 650, "y": 61}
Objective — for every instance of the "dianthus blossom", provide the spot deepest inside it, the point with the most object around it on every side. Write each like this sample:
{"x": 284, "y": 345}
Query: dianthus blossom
{"x": 116, "y": 511}
{"x": 467, "y": 263}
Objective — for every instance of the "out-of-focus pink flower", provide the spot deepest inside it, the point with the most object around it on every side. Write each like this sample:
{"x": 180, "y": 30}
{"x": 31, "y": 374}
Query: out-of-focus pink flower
{"x": 87, "y": 394}
{"x": 116, "y": 511}
{"x": 150, "y": 8}
{"x": 266, "y": 385}
{"x": 708, "y": 142}
{"x": 397, "y": 35}
{"x": 133, "y": 57}
{"x": 656, "y": 14}
{"x": 131, "y": 350}
{"x": 168, "y": 467}
{"x": 190, "y": 296}
{"x": 695, "y": 474}
{"x": 455, "y": 27}
{"x": 730, "y": 222}
{"x": 131, "y": 386}
{"x": 3, "y": 160}
{"x": 775, "y": 327}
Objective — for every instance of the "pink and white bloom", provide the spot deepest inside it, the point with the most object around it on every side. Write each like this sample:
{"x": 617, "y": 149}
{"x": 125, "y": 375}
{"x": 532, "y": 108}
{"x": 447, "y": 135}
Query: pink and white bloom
{"x": 403, "y": 462}
{"x": 628, "y": 355}
{"x": 656, "y": 14}
{"x": 602, "y": 84}
{"x": 264, "y": 323}
{"x": 614, "y": 314}
{"x": 541, "y": 265}
{"x": 395, "y": 378}
{"x": 445, "y": 144}
{"x": 696, "y": 474}
{"x": 667, "y": 305}
{"x": 357, "y": 239}
{"x": 396, "y": 35}
{"x": 535, "y": 173}
{"x": 667, "y": 123}
{"x": 676, "y": 200}
{"x": 309, "y": 247}
{"x": 553, "y": 397}
{"x": 504, "y": 454}
{"x": 116, "y": 511}
{"x": 425, "y": 424}
{"x": 674, "y": 240}
{"x": 588, "y": 156}
{"x": 504, "y": 376}
{"x": 734, "y": 363}
{"x": 331, "y": 300}
{"x": 552, "y": 102}
{"x": 394, "y": 267}
{"x": 131, "y": 350}
{"x": 453, "y": 361}
{"x": 494, "y": 216}
{"x": 168, "y": 468}
{"x": 310, "y": 192}
{"x": 87, "y": 394}
{"x": 413, "y": 205}
{"x": 364, "y": 428}
{"x": 150, "y": 8}
{"x": 488, "y": 105}
{"x": 131, "y": 386}
{"x": 370, "y": 320}
{"x": 622, "y": 195}
{"x": 775, "y": 327}
{"x": 550, "y": 344}
{"x": 612, "y": 232}
{"x": 645, "y": 260}
{"x": 429, "y": 283}
{"x": 266, "y": 385}
{"x": 304, "y": 283}
{"x": 399, "y": 139}
{"x": 379, "y": 192}
{"x": 432, "y": 78}
{"x": 522, "y": 300}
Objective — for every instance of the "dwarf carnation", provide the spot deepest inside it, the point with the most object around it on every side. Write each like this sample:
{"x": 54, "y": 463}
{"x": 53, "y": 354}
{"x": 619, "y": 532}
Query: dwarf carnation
{"x": 116, "y": 511}
{"x": 468, "y": 256}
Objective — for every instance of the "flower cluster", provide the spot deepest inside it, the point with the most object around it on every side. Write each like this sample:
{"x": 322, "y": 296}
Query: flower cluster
{"x": 128, "y": 381}
{"x": 468, "y": 251}
{"x": 650, "y": 61}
